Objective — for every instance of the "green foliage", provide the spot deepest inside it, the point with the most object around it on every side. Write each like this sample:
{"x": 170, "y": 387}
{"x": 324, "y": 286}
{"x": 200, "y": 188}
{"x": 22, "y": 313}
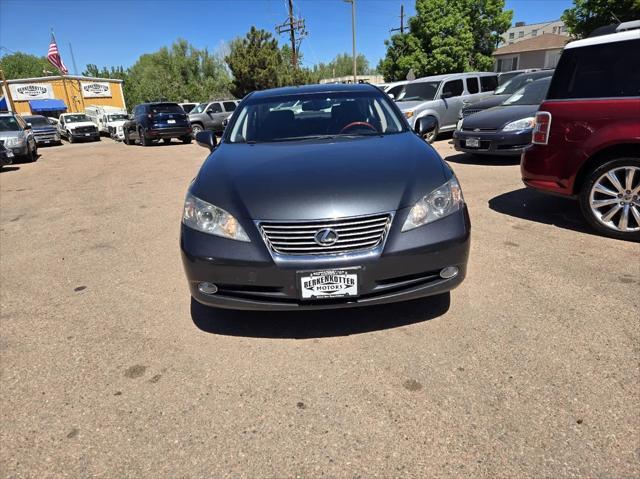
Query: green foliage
{"x": 22, "y": 65}
{"x": 587, "y": 15}
{"x": 256, "y": 63}
{"x": 113, "y": 72}
{"x": 181, "y": 72}
{"x": 342, "y": 65}
{"x": 446, "y": 36}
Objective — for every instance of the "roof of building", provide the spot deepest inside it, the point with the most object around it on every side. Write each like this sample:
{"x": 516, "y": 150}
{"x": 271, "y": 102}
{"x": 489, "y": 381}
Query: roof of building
{"x": 310, "y": 89}
{"x": 66, "y": 77}
{"x": 547, "y": 41}
{"x": 548, "y": 22}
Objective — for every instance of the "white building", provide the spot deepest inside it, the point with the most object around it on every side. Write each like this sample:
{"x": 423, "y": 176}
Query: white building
{"x": 521, "y": 31}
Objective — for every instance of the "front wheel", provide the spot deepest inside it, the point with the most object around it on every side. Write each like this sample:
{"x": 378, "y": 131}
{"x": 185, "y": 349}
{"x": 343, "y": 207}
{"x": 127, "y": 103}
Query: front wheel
{"x": 430, "y": 136}
{"x": 610, "y": 199}
{"x": 143, "y": 139}
{"x": 195, "y": 129}
{"x": 70, "y": 137}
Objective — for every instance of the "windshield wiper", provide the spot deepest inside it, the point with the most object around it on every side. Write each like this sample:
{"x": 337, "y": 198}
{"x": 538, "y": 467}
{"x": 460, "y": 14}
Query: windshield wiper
{"x": 308, "y": 137}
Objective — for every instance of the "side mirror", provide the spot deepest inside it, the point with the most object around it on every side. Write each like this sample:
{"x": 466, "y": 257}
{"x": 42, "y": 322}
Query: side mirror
{"x": 225, "y": 122}
{"x": 427, "y": 124}
{"x": 131, "y": 117}
{"x": 206, "y": 139}
{"x": 446, "y": 94}
{"x": 29, "y": 125}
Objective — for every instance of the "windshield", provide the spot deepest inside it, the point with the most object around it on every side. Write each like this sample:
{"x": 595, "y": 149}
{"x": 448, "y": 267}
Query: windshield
{"x": 37, "y": 120}
{"x": 320, "y": 115}
{"x": 531, "y": 94}
{"x": 515, "y": 83}
{"x": 199, "y": 108}
{"x": 76, "y": 118}
{"x": 118, "y": 117}
{"x": 166, "y": 108}
{"x": 419, "y": 91}
{"x": 8, "y": 123}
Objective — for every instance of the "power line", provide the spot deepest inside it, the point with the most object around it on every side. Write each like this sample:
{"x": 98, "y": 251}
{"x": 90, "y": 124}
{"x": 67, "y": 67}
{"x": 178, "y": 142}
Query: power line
{"x": 292, "y": 25}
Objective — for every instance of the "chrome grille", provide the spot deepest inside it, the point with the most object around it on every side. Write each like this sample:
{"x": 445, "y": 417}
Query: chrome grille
{"x": 86, "y": 129}
{"x": 470, "y": 111}
{"x": 298, "y": 238}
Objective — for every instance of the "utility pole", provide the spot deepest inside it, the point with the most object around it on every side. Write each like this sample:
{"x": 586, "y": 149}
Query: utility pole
{"x": 73, "y": 60}
{"x": 292, "y": 25}
{"x": 7, "y": 91}
{"x": 401, "y": 29}
{"x": 353, "y": 37}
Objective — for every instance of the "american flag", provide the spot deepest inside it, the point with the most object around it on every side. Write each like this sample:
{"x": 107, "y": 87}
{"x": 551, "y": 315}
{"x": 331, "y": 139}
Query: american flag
{"x": 54, "y": 56}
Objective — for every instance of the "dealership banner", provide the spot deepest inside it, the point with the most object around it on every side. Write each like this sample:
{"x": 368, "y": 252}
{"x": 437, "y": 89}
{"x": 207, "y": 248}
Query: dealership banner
{"x": 31, "y": 91}
{"x": 95, "y": 89}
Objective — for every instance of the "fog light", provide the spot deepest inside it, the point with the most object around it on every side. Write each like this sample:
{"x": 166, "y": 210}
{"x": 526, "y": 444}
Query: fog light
{"x": 207, "y": 288}
{"x": 448, "y": 272}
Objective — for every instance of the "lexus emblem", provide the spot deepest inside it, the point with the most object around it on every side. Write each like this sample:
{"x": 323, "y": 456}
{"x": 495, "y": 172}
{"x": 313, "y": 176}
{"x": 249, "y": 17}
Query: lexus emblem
{"x": 326, "y": 237}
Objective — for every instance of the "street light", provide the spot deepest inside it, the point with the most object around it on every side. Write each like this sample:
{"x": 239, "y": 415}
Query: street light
{"x": 353, "y": 36}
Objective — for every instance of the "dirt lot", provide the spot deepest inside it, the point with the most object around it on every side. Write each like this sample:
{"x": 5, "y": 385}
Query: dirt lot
{"x": 530, "y": 370}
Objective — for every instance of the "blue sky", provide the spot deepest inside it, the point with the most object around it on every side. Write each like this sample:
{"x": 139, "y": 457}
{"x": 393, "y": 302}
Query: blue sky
{"x": 117, "y": 32}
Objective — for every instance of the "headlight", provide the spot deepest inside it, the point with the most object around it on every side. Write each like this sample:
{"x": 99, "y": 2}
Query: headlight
{"x": 522, "y": 124}
{"x": 439, "y": 203}
{"x": 205, "y": 217}
{"x": 15, "y": 141}
{"x": 408, "y": 113}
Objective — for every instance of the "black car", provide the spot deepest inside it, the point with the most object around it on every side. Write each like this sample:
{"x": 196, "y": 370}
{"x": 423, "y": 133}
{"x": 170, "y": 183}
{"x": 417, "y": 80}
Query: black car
{"x": 504, "y": 91}
{"x": 157, "y": 121}
{"x": 505, "y": 129}
{"x": 321, "y": 196}
{"x": 45, "y": 132}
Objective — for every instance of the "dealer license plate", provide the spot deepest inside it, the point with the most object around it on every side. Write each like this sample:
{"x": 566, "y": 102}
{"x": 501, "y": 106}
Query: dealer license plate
{"x": 335, "y": 283}
{"x": 171, "y": 121}
{"x": 87, "y": 134}
{"x": 473, "y": 142}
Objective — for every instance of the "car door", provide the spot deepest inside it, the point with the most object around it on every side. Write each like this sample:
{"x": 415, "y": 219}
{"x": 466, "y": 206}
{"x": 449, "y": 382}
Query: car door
{"x": 451, "y": 96}
{"x": 214, "y": 116}
{"x": 473, "y": 91}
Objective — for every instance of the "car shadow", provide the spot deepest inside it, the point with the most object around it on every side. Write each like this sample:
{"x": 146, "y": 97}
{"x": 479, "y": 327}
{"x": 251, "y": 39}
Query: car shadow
{"x": 469, "y": 159}
{"x": 6, "y": 169}
{"x": 531, "y": 205}
{"x": 317, "y": 323}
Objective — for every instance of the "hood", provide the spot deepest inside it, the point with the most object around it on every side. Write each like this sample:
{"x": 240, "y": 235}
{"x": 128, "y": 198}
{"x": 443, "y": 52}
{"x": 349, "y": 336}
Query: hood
{"x": 117, "y": 123}
{"x": 11, "y": 134}
{"x": 77, "y": 124}
{"x": 410, "y": 105}
{"x": 43, "y": 128}
{"x": 489, "y": 102}
{"x": 495, "y": 118}
{"x": 318, "y": 179}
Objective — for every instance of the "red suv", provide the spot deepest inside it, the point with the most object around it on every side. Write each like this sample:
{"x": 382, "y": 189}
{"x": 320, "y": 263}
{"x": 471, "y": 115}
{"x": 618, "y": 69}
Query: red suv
{"x": 586, "y": 139}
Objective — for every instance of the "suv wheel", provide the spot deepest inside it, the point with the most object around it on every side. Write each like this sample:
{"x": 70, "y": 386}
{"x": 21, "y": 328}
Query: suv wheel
{"x": 195, "y": 129}
{"x": 610, "y": 198}
{"x": 431, "y": 136}
{"x": 70, "y": 137}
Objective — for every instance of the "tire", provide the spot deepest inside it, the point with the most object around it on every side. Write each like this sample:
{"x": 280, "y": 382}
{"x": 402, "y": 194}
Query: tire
{"x": 186, "y": 139}
{"x": 610, "y": 198}
{"x": 166, "y": 141}
{"x": 144, "y": 141}
{"x": 196, "y": 128}
{"x": 70, "y": 138}
{"x": 431, "y": 137}
{"x": 126, "y": 140}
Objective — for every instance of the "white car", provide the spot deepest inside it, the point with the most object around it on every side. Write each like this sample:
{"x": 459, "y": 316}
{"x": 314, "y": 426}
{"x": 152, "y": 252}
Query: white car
{"x": 109, "y": 120}
{"x": 77, "y": 126}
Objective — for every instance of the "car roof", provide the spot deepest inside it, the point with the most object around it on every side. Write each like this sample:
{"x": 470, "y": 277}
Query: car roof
{"x": 317, "y": 88}
{"x": 614, "y": 37}
{"x": 449, "y": 76}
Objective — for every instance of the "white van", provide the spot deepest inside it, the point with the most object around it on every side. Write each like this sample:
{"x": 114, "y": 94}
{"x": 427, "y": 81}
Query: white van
{"x": 109, "y": 120}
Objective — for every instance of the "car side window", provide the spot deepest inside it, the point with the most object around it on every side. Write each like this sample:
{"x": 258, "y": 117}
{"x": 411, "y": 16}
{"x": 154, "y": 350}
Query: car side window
{"x": 229, "y": 106}
{"x": 489, "y": 83}
{"x": 395, "y": 91}
{"x": 453, "y": 88}
{"x": 215, "y": 108}
{"x": 472, "y": 85}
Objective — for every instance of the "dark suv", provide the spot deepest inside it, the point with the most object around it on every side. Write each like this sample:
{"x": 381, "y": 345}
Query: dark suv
{"x": 155, "y": 121}
{"x": 586, "y": 138}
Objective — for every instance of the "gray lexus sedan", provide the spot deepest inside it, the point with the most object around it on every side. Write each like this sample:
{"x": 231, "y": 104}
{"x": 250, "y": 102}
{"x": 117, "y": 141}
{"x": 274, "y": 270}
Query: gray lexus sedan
{"x": 321, "y": 196}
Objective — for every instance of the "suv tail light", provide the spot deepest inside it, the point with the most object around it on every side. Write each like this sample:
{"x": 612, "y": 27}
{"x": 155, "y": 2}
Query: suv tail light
{"x": 541, "y": 128}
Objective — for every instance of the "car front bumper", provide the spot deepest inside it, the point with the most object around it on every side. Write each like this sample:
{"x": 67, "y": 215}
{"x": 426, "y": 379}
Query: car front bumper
{"x": 86, "y": 136}
{"x": 248, "y": 277}
{"x": 22, "y": 150}
{"x": 496, "y": 143}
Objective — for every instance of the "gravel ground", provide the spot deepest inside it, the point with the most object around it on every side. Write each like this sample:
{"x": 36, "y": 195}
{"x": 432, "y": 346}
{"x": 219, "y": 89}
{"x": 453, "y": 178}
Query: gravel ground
{"x": 530, "y": 369}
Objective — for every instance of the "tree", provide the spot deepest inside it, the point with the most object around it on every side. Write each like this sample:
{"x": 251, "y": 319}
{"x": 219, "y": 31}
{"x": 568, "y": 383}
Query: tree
{"x": 22, "y": 65}
{"x": 587, "y": 15}
{"x": 447, "y": 36}
{"x": 180, "y": 72}
{"x": 113, "y": 72}
{"x": 342, "y": 65}
{"x": 256, "y": 63}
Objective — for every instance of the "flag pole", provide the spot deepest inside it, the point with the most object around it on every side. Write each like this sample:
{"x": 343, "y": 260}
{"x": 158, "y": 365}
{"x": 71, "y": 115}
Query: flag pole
{"x": 64, "y": 83}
